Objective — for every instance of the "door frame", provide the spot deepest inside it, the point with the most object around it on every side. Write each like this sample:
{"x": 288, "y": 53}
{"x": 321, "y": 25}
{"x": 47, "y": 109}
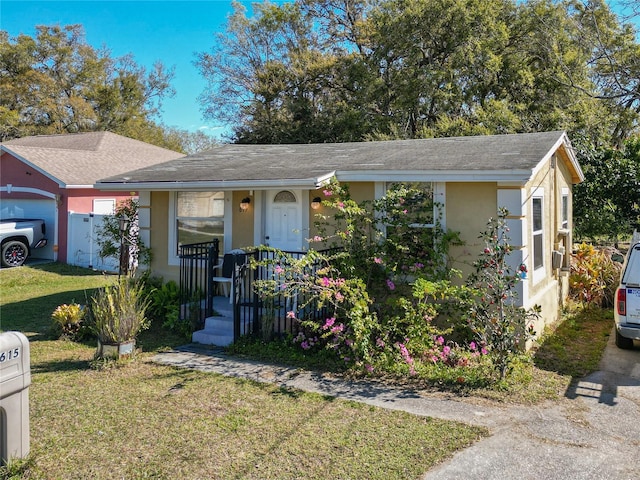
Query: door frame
{"x": 262, "y": 220}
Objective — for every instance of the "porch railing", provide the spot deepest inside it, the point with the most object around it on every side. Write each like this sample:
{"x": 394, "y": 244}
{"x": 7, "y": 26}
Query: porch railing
{"x": 268, "y": 315}
{"x": 196, "y": 269}
{"x": 252, "y": 314}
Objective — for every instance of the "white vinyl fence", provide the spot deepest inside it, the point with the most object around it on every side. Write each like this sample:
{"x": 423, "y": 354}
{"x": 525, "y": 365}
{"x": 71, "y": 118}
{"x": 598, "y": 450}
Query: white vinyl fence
{"x": 82, "y": 249}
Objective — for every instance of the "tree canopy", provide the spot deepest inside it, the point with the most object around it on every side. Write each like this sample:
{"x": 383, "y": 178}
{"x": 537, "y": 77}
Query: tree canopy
{"x": 350, "y": 70}
{"x": 56, "y": 83}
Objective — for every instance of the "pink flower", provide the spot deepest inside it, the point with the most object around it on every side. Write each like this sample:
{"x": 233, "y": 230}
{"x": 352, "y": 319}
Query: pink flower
{"x": 325, "y": 281}
{"x": 341, "y": 205}
{"x": 369, "y": 368}
{"x": 317, "y": 238}
{"x": 391, "y": 285}
{"x": 291, "y": 314}
{"x": 440, "y": 340}
{"x": 377, "y": 260}
{"x": 328, "y": 323}
{"x": 337, "y": 329}
{"x": 484, "y": 351}
{"x": 339, "y": 297}
{"x": 473, "y": 346}
{"x": 278, "y": 269}
{"x": 405, "y": 211}
{"x": 327, "y": 193}
{"x": 379, "y": 342}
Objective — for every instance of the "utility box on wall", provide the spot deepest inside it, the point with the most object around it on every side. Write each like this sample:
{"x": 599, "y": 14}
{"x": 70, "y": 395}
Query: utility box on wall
{"x": 15, "y": 378}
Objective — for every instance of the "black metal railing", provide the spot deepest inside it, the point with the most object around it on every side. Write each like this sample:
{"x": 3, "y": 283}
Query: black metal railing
{"x": 267, "y": 314}
{"x": 253, "y": 313}
{"x": 196, "y": 269}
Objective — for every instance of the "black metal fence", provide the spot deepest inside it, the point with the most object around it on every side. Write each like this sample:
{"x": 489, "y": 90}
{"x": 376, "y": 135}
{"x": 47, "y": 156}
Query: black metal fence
{"x": 254, "y": 313}
{"x": 196, "y": 269}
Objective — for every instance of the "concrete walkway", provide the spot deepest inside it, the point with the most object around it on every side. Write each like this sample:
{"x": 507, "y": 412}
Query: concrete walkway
{"x": 592, "y": 433}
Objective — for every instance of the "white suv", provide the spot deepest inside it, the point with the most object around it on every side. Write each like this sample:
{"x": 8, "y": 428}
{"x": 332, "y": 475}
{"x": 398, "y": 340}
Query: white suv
{"x": 627, "y": 310}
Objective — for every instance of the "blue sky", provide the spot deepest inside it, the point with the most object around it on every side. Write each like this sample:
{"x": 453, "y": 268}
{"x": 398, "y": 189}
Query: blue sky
{"x": 169, "y": 31}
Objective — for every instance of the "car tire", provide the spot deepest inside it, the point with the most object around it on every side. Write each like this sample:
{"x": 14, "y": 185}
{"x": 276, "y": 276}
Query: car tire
{"x": 14, "y": 253}
{"x": 623, "y": 342}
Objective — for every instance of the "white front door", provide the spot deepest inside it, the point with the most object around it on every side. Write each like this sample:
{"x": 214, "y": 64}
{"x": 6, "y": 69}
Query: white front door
{"x": 283, "y": 228}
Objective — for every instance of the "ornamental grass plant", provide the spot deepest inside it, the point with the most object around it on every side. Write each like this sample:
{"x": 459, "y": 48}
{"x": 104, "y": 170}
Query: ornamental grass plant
{"x": 118, "y": 311}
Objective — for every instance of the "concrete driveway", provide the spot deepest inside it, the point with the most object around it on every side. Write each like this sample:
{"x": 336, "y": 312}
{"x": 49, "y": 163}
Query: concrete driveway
{"x": 592, "y": 433}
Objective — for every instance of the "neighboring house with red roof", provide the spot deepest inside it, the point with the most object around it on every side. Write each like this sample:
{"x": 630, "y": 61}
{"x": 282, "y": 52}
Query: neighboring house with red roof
{"x": 52, "y": 176}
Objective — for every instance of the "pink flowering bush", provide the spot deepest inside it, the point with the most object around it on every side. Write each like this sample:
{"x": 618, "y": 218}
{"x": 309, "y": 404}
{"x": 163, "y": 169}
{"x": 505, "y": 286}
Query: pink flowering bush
{"x": 388, "y": 302}
{"x": 497, "y": 323}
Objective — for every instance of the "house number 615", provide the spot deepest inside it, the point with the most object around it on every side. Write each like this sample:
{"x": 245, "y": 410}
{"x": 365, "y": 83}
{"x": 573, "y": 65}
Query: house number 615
{"x": 9, "y": 355}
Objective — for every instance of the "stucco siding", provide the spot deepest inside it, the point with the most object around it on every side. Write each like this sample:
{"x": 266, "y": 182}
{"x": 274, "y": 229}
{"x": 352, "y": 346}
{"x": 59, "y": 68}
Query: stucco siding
{"x": 468, "y": 209}
{"x": 359, "y": 191}
{"x": 243, "y": 222}
{"x": 159, "y": 228}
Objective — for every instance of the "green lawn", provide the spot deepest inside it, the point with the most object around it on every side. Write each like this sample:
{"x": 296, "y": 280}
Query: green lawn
{"x": 142, "y": 420}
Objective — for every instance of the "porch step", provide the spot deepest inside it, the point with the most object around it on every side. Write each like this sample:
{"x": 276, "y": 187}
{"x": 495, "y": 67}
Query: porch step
{"x": 217, "y": 331}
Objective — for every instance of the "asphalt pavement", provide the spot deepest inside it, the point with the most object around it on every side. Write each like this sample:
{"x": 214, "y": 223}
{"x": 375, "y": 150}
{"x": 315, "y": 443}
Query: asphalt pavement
{"x": 591, "y": 433}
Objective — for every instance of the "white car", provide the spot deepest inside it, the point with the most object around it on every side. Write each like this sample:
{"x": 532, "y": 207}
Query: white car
{"x": 627, "y": 309}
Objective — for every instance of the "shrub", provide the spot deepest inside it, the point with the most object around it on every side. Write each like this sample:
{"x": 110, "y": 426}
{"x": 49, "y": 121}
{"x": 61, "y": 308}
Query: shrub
{"x": 68, "y": 321}
{"x": 595, "y": 274}
{"x": 383, "y": 288}
{"x": 118, "y": 311}
{"x": 496, "y": 321}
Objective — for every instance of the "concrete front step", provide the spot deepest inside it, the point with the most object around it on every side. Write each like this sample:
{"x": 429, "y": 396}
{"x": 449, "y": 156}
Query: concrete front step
{"x": 217, "y": 331}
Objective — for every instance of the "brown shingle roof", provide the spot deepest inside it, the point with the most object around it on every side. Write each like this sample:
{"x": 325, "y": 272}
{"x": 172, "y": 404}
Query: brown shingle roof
{"x": 83, "y": 158}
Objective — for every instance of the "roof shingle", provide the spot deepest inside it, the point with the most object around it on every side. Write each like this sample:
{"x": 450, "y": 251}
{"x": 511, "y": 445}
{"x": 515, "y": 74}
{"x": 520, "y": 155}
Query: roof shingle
{"x": 83, "y": 158}
{"x": 255, "y": 163}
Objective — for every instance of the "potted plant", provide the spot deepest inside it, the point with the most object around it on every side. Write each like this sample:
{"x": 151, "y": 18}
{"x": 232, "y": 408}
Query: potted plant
{"x": 117, "y": 315}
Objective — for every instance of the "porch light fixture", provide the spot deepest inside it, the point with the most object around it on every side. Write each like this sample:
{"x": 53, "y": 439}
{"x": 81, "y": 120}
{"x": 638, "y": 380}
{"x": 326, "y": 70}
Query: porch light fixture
{"x": 315, "y": 204}
{"x": 123, "y": 224}
{"x": 244, "y": 204}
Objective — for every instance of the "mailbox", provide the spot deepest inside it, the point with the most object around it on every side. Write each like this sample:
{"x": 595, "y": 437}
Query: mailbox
{"x": 15, "y": 378}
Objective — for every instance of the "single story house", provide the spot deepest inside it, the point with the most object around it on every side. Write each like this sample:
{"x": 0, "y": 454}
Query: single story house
{"x": 249, "y": 195}
{"x": 52, "y": 177}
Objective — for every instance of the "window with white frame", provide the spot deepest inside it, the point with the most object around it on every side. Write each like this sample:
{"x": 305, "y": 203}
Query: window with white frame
{"x": 412, "y": 201}
{"x": 104, "y": 206}
{"x": 565, "y": 209}
{"x": 409, "y": 218}
{"x": 199, "y": 217}
{"x": 537, "y": 213}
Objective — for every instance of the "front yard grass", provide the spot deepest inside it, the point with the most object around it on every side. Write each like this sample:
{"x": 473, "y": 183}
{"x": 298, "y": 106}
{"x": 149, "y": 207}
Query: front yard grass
{"x": 138, "y": 419}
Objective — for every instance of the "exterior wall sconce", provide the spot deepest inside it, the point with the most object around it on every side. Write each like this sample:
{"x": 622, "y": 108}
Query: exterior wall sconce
{"x": 315, "y": 204}
{"x": 244, "y": 204}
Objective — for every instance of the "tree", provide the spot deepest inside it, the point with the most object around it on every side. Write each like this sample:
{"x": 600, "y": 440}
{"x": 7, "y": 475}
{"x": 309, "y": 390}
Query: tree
{"x": 57, "y": 83}
{"x": 607, "y": 203}
{"x": 338, "y": 70}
